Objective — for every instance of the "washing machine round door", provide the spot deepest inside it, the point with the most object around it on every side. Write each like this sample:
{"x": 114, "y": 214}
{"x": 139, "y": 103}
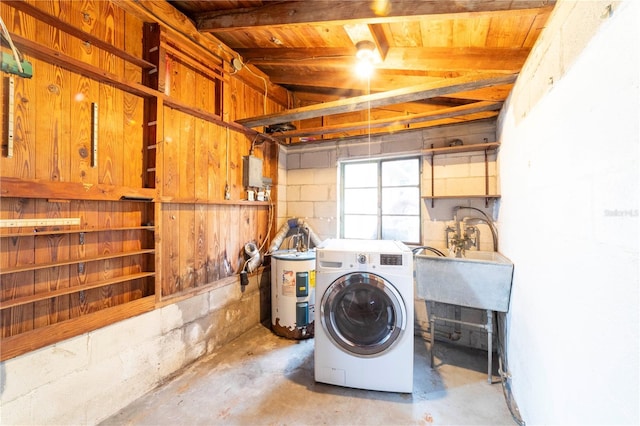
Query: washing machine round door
{"x": 363, "y": 314}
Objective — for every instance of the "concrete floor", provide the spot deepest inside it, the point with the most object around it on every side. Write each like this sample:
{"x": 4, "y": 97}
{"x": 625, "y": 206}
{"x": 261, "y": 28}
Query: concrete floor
{"x": 263, "y": 379}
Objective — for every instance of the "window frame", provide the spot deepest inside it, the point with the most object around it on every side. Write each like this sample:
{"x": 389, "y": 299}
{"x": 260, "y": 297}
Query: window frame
{"x": 379, "y": 188}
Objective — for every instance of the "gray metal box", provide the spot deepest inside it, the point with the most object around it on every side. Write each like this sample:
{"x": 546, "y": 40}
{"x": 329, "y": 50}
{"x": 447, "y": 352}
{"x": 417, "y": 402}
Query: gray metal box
{"x": 252, "y": 172}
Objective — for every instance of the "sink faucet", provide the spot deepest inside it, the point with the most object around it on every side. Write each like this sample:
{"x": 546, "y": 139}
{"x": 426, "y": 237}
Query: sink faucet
{"x": 457, "y": 244}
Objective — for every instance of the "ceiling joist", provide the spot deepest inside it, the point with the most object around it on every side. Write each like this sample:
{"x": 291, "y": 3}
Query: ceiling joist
{"x": 306, "y": 12}
{"x": 359, "y": 103}
{"x": 404, "y": 120}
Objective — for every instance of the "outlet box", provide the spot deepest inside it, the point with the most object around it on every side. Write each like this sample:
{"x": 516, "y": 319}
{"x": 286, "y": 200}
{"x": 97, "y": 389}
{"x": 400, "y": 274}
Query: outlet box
{"x": 252, "y": 172}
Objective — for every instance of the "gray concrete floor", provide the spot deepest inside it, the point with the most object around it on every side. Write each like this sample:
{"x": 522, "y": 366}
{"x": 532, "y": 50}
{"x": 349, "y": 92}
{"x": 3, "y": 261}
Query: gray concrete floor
{"x": 263, "y": 379}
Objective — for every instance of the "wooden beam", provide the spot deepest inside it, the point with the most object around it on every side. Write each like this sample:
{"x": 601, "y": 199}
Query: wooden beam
{"x": 359, "y": 103}
{"x": 394, "y": 121}
{"x": 320, "y": 12}
{"x": 485, "y": 59}
{"x": 76, "y": 32}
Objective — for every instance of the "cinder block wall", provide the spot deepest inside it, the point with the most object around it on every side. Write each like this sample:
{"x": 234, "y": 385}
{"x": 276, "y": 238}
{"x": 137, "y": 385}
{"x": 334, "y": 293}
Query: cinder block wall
{"x": 312, "y": 194}
{"x": 115, "y": 365}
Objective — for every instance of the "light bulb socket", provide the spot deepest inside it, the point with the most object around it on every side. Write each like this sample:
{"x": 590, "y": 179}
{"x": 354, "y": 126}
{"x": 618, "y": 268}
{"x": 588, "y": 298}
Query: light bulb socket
{"x": 365, "y": 49}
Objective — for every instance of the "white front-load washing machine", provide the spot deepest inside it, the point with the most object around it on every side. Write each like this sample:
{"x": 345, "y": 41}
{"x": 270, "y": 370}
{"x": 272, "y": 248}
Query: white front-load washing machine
{"x": 364, "y": 315}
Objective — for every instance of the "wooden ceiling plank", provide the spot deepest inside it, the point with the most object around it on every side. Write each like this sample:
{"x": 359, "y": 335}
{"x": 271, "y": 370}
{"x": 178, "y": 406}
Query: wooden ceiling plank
{"x": 403, "y": 58}
{"x": 306, "y": 12}
{"x": 409, "y": 94}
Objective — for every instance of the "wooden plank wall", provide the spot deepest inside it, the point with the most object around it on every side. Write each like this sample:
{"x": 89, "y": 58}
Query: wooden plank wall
{"x": 199, "y": 237}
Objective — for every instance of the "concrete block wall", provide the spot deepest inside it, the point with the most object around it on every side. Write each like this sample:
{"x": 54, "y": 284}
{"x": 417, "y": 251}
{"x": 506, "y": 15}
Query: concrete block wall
{"x": 312, "y": 193}
{"x": 87, "y": 378}
{"x": 311, "y": 189}
{"x": 570, "y": 170}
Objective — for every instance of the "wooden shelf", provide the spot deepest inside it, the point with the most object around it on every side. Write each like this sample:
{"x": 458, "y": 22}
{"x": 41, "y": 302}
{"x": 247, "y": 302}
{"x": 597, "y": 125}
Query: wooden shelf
{"x": 169, "y": 200}
{"x": 33, "y": 267}
{"x": 26, "y": 188}
{"x": 453, "y": 197}
{"x": 485, "y": 147}
{"x": 24, "y": 300}
{"x": 36, "y": 232}
{"x": 462, "y": 148}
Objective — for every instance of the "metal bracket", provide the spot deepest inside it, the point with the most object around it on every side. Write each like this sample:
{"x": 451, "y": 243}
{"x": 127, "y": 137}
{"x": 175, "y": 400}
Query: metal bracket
{"x": 10, "y": 125}
{"x": 94, "y": 134}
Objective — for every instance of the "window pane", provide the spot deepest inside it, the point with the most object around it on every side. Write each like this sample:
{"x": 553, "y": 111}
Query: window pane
{"x": 360, "y": 226}
{"x": 360, "y": 201}
{"x": 400, "y": 172}
{"x": 402, "y": 228}
{"x": 361, "y": 175}
{"x": 401, "y": 201}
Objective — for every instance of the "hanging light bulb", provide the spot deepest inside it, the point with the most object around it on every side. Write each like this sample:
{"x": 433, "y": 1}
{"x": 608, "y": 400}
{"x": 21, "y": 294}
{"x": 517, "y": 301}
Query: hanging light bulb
{"x": 365, "y": 56}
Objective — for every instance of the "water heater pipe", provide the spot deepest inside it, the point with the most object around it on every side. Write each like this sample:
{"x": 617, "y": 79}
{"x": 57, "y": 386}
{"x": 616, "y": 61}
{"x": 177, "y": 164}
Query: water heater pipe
{"x": 286, "y": 227}
{"x": 251, "y": 249}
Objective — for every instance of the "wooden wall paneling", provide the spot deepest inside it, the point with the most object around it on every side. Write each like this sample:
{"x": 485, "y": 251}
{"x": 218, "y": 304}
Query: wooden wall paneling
{"x": 200, "y": 237}
{"x": 17, "y": 251}
{"x": 133, "y": 107}
{"x": 51, "y": 248}
{"x": 225, "y": 255}
{"x": 111, "y": 156}
{"x": 201, "y": 159}
{"x": 170, "y": 153}
{"x": 86, "y": 91}
{"x": 170, "y": 241}
{"x": 186, "y": 157}
{"x": 106, "y": 246}
{"x": 87, "y": 247}
{"x": 186, "y": 239}
{"x": 130, "y": 242}
{"x": 215, "y": 172}
{"x": 213, "y": 243}
{"x": 52, "y": 129}
{"x": 22, "y": 164}
{"x": 117, "y": 246}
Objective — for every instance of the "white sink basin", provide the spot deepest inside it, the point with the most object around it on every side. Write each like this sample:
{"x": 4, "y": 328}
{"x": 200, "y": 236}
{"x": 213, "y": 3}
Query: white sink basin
{"x": 481, "y": 279}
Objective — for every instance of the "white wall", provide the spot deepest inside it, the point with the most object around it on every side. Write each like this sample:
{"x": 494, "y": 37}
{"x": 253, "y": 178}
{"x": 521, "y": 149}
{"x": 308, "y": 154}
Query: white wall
{"x": 569, "y": 170}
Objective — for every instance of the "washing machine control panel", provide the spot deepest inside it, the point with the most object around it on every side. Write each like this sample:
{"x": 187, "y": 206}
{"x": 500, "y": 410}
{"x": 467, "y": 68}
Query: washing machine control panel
{"x": 361, "y": 258}
{"x": 391, "y": 259}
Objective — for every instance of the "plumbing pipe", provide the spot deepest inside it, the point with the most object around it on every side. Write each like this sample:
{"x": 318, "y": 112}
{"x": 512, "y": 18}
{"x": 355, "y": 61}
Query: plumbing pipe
{"x": 286, "y": 227}
{"x": 489, "y": 222}
{"x": 254, "y": 257}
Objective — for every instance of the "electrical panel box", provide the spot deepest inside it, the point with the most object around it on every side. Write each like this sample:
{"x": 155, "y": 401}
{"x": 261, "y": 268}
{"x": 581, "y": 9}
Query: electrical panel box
{"x": 252, "y": 172}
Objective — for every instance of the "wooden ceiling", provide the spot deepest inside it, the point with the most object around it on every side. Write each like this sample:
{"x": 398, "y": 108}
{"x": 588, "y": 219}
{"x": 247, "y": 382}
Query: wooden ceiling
{"x": 437, "y": 61}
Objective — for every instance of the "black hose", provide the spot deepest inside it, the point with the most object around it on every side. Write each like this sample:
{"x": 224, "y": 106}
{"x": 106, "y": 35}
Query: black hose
{"x": 506, "y": 386}
{"x": 431, "y": 249}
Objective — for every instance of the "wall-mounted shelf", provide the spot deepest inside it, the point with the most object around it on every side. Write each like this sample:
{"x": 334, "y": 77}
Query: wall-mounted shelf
{"x": 169, "y": 200}
{"x": 484, "y": 147}
{"x": 35, "y": 232}
{"x": 25, "y": 188}
{"x": 33, "y": 267}
{"x": 487, "y": 146}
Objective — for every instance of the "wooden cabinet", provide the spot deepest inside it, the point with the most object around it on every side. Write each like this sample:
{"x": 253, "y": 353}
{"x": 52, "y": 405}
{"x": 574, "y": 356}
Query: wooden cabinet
{"x": 486, "y": 148}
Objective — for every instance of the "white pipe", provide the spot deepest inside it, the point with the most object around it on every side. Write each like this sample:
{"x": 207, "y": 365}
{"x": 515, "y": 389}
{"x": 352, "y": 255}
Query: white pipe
{"x": 286, "y": 227}
{"x": 254, "y": 257}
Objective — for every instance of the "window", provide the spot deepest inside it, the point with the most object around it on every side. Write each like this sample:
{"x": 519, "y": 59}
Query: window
{"x": 380, "y": 199}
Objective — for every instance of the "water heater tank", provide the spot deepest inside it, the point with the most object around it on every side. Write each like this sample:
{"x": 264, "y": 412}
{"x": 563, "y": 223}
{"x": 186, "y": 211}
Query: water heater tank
{"x": 293, "y": 286}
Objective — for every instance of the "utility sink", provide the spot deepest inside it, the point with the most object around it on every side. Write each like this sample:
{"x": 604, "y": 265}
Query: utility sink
{"x": 480, "y": 279}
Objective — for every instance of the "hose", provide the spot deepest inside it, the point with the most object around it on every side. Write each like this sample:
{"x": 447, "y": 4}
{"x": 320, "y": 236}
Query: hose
{"x": 431, "y": 249}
